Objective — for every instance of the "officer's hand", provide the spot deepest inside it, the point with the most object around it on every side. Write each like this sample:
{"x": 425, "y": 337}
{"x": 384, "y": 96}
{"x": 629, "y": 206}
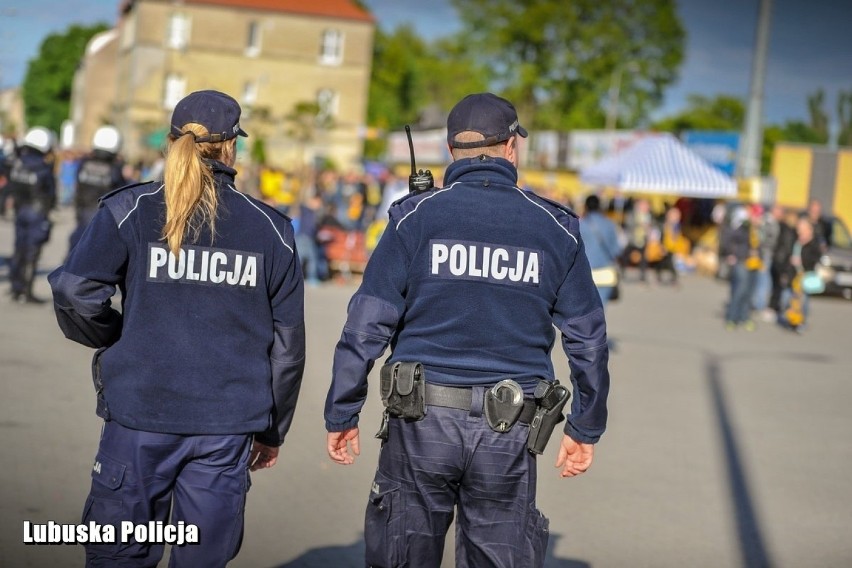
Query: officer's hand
{"x": 574, "y": 457}
{"x": 338, "y": 449}
{"x": 262, "y": 456}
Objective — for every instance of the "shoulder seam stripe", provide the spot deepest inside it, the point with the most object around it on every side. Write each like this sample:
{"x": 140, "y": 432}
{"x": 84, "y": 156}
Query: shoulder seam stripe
{"x": 561, "y": 226}
{"x": 137, "y": 204}
{"x": 423, "y": 200}
{"x": 262, "y": 212}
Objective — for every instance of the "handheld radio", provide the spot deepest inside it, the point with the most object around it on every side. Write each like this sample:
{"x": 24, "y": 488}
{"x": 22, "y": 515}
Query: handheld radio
{"x": 418, "y": 180}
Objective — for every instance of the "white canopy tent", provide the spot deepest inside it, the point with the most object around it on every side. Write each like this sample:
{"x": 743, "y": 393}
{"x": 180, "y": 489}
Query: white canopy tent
{"x": 660, "y": 163}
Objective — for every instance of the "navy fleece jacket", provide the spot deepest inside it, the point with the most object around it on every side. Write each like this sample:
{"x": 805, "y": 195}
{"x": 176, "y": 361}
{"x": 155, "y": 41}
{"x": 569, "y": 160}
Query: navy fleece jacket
{"x": 209, "y": 342}
{"x": 470, "y": 280}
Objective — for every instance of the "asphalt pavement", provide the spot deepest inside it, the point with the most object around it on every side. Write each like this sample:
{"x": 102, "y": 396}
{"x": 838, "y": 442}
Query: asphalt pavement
{"x": 724, "y": 449}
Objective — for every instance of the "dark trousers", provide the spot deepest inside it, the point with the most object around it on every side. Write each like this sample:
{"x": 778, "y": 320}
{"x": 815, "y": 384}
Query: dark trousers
{"x": 146, "y": 476}
{"x": 780, "y": 281}
{"x": 743, "y": 281}
{"x": 32, "y": 230}
{"x": 451, "y": 460}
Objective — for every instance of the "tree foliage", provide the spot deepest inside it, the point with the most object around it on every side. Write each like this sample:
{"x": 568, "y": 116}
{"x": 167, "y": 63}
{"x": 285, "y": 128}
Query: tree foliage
{"x": 557, "y": 61}
{"x": 395, "y": 89}
{"x": 722, "y": 112}
{"x": 50, "y": 76}
{"x": 844, "y": 118}
{"x": 411, "y": 76}
{"x": 819, "y": 118}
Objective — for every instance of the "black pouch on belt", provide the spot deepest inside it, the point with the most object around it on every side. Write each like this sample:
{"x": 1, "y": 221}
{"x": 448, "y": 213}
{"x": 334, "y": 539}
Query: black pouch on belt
{"x": 403, "y": 390}
{"x": 550, "y": 399}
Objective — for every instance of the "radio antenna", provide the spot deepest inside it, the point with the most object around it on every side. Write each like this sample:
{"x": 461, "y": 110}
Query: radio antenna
{"x": 418, "y": 180}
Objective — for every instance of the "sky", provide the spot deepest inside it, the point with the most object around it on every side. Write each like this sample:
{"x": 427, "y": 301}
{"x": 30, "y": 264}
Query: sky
{"x": 810, "y": 44}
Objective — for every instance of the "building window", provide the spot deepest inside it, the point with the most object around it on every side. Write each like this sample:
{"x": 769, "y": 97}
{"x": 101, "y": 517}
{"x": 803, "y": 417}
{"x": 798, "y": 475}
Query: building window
{"x": 331, "y": 47}
{"x": 328, "y": 102}
{"x": 250, "y": 93}
{"x": 179, "y": 26}
{"x": 253, "y": 42}
{"x": 174, "y": 91}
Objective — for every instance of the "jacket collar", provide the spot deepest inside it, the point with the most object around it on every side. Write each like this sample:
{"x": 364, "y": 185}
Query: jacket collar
{"x": 482, "y": 168}
{"x": 221, "y": 172}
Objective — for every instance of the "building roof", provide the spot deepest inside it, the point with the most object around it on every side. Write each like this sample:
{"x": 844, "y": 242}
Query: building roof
{"x": 342, "y": 9}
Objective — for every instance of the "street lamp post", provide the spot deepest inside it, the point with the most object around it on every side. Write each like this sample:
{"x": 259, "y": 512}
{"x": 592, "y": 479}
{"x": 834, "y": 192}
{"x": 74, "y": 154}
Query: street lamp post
{"x": 749, "y": 158}
{"x": 615, "y": 93}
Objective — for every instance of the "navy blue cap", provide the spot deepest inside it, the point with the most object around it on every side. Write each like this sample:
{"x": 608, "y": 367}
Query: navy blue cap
{"x": 492, "y": 116}
{"x": 215, "y": 111}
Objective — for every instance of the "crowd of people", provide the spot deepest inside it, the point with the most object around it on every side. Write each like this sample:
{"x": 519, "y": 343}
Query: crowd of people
{"x": 769, "y": 255}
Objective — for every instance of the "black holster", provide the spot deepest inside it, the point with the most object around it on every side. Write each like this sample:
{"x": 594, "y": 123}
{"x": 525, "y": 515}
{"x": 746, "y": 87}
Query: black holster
{"x": 101, "y": 409}
{"x": 403, "y": 390}
{"x": 550, "y": 399}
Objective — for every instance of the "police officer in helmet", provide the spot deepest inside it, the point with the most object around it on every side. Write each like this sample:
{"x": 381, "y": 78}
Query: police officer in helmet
{"x": 467, "y": 285}
{"x": 99, "y": 173}
{"x": 32, "y": 186}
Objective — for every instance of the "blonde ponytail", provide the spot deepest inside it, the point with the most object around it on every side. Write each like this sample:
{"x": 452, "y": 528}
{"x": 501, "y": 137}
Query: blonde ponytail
{"x": 190, "y": 190}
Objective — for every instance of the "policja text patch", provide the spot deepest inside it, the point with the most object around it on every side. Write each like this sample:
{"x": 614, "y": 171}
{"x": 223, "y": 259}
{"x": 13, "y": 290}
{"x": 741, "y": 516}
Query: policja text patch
{"x": 204, "y": 265}
{"x": 500, "y": 264}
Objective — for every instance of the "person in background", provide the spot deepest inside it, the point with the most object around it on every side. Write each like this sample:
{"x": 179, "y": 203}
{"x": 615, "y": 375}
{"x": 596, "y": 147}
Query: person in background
{"x": 734, "y": 249}
{"x": 32, "y": 187}
{"x": 638, "y": 227}
{"x": 198, "y": 375}
{"x": 307, "y": 235}
{"x": 821, "y": 225}
{"x": 603, "y": 247}
{"x": 97, "y": 174}
{"x": 69, "y": 164}
{"x": 780, "y": 271}
{"x": 675, "y": 247}
{"x": 804, "y": 258}
{"x": 770, "y": 227}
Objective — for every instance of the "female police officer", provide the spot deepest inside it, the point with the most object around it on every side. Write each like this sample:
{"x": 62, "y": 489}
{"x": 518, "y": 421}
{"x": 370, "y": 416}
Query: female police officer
{"x": 466, "y": 285}
{"x": 197, "y": 377}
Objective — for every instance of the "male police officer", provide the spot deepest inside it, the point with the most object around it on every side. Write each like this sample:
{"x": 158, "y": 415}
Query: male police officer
{"x": 32, "y": 187}
{"x": 99, "y": 173}
{"x": 466, "y": 285}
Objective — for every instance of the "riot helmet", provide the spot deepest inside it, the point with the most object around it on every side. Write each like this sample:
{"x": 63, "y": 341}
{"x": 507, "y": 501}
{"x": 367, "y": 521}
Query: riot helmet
{"x": 107, "y": 139}
{"x": 40, "y": 138}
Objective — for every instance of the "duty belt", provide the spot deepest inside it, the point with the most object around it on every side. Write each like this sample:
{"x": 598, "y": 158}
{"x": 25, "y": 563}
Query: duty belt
{"x": 462, "y": 398}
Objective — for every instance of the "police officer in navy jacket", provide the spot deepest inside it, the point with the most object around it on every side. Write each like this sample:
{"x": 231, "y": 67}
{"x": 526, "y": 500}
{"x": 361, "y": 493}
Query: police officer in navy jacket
{"x": 468, "y": 282}
{"x": 98, "y": 173}
{"x": 198, "y": 374}
{"x": 32, "y": 186}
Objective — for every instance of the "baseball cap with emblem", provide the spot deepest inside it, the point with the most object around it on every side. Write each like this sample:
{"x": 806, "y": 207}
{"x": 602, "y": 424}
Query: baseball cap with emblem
{"x": 215, "y": 111}
{"x": 492, "y": 116}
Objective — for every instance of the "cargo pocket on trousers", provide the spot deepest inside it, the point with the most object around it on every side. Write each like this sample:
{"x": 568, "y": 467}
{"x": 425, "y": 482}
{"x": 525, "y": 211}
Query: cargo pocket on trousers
{"x": 104, "y": 504}
{"x": 384, "y": 527}
{"x": 538, "y": 533}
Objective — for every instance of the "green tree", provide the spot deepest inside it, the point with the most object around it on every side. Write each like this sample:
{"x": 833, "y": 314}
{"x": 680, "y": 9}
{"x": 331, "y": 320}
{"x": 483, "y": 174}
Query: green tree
{"x": 410, "y": 75}
{"x": 844, "y": 118}
{"x": 558, "y": 61}
{"x": 722, "y": 112}
{"x": 49, "y": 78}
{"x": 396, "y": 91}
{"x": 819, "y": 118}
